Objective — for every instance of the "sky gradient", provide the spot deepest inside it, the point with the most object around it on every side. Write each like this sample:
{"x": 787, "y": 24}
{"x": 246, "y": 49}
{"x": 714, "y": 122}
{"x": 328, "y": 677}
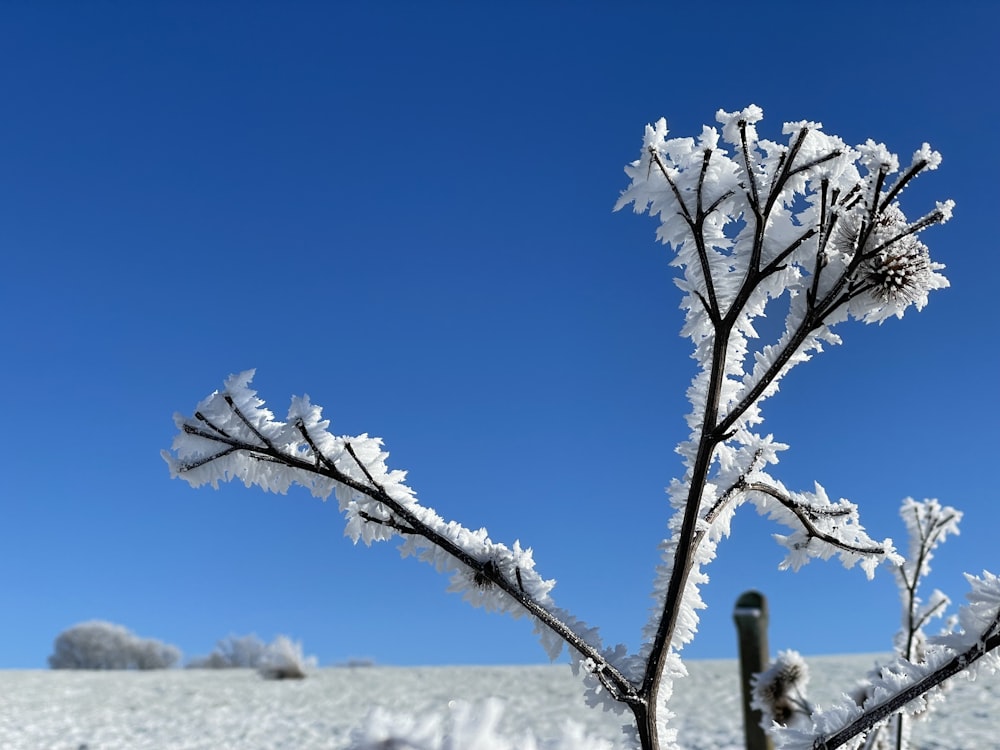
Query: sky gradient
{"x": 405, "y": 211}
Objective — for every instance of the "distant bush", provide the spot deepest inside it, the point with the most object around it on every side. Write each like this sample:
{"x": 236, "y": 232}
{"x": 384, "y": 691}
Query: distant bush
{"x": 233, "y": 652}
{"x": 103, "y": 645}
{"x": 283, "y": 660}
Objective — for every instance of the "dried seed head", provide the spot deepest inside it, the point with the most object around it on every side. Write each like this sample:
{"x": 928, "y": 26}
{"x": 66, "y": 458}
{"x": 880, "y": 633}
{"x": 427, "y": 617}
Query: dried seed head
{"x": 778, "y": 691}
{"x": 894, "y": 269}
{"x": 899, "y": 273}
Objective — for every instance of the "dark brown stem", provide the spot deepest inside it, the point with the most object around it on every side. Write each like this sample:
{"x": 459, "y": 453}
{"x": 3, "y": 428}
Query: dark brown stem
{"x": 803, "y": 512}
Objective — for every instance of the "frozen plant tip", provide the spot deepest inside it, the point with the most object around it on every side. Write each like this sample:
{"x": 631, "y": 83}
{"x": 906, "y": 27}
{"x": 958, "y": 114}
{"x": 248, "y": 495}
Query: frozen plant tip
{"x": 806, "y": 228}
{"x": 779, "y": 692}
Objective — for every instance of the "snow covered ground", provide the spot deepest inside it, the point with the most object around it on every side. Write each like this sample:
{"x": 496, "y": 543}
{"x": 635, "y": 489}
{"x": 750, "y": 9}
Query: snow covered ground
{"x": 188, "y": 709}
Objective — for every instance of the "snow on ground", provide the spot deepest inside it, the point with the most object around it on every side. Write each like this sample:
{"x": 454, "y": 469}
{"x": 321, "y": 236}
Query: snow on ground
{"x": 205, "y": 709}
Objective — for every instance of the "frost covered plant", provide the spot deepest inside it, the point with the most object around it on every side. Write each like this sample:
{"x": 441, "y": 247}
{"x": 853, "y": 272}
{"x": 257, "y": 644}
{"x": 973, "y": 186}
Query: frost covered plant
{"x": 928, "y": 524}
{"x": 283, "y": 660}
{"x": 280, "y": 659}
{"x": 808, "y": 228}
{"x": 906, "y": 686}
{"x": 779, "y": 692}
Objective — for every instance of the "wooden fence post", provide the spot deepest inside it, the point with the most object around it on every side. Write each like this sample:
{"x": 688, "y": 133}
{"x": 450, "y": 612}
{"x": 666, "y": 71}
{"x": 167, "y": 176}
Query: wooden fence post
{"x": 750, "y": 615}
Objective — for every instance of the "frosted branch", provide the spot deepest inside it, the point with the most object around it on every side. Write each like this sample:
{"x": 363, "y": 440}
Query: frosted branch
{"x": 232, "y": 437}
{"x": 808, "y": 514}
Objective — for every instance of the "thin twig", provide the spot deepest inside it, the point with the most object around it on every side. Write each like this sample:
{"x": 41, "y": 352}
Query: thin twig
{"x": 250, "y": 426}
{"x": 903, "y": 180}
{"x": 390, "y": 522}
{"x": 321, "y": 457}
{"x": 803, "y": 512}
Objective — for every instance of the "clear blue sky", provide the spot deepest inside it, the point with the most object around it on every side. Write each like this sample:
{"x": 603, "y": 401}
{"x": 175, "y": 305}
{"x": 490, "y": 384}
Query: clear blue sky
{"x": 404, "y": 209}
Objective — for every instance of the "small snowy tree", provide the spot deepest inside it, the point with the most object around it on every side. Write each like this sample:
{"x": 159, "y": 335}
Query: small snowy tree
{"x": 103, "y": 645}
{"x": 809, "y": 229}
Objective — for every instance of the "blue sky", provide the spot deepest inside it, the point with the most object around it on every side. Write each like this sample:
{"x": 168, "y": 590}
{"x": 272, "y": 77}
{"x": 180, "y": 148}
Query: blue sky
{"x": 404, "y": 210}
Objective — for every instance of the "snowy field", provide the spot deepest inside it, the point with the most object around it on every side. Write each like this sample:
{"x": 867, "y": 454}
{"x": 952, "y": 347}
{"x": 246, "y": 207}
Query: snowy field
{"x": 183, "y": 710}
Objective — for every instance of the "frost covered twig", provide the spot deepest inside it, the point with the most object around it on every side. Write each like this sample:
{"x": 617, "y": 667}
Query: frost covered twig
{"x": 928, "y": 524}
{"x": 810, "y": 516}
{"x": 231, "y": 436}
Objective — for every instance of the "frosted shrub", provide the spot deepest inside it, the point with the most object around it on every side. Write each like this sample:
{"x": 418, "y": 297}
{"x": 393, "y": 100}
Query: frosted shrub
{"x": 806, "y": 228}
{"x": 103, "y": 645}
{"x": 283, "y": 660}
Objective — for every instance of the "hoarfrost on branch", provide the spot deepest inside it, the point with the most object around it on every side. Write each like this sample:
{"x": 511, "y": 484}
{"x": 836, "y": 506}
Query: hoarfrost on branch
{"x": 808, "y": 228}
